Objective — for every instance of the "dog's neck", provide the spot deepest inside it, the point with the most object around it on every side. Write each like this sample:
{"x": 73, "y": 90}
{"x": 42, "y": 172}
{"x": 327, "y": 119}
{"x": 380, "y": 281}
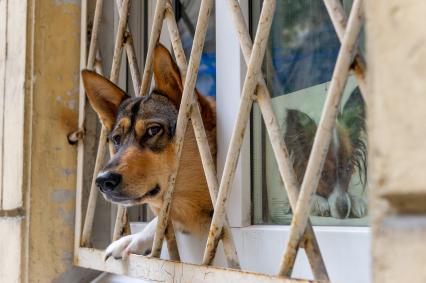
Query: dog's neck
{"x": 191, "y": 209}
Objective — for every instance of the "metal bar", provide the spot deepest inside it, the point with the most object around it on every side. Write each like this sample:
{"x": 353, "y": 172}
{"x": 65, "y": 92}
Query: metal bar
{"x": 94, "y": 35}
{"x": 90, "y": 212}
{"x": 213, "y": 184}
{"x": 285, "y": 166}
{"x": 119, "y": 40}
{"x": 100, "y": 157}
{"x": 184, "y": 112}
{"x": 133, "y": 62}
{"x": 202, "y": 141}
{"x": 121, "y": 226}
{"x": 153, "y": 40}
{"x": 80, "y": 144}
{"x": 172, "y": 246}
{"x": 322, "y": 139}
{"x": 339, "y": 20}
{"x": 98, "y": 64}
{"x": 134, "y": 70}
{"x": 253, "y": 70}
{"x": 121, "y": 220}
{"x": 159, "y": 270}
{"x": 131, "y": 55}
{"x": 93, "y": 195}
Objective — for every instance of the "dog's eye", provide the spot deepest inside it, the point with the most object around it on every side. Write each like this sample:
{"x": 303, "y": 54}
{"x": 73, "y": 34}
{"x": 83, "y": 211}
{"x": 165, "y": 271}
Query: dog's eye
{"x": 152, "y": 131}
{"x": 116, "y": 140}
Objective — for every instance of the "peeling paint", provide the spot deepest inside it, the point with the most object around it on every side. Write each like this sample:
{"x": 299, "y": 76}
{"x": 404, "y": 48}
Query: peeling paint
{"x": 68, "y": 172}
{"x": 72, "y": 104}
{"x": 63, "y": 195}
{"x": 61, "y": 2}
{"x": 68, "y": 217}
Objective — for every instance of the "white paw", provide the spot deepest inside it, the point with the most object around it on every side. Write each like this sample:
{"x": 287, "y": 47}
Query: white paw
{"x": 359, "y": 207}
{"x": 139, "y": 243}
{"x": 117, "y": 248}
{"x": 320, "y": 206}
{"x": 136, "y": 244}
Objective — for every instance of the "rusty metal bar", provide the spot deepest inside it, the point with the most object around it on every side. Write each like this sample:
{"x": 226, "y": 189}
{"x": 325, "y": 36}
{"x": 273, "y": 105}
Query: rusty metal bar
{"x": 159, "y": 270}
{"x": 131, "y": 55}
{"x": 100, "y": 157}
{"x": 322, "y": 138}
{"x": 250, "y": 83}
{"x": 339, "y": 20}
{"x": 153, "y": 40}
{"x": 119, "y": 40}
{"x": 80, "y": 144}
{"x": 121, "y": 220}
{"x": 94, "y": 34}
{"x": 184, "y": 112}
{"x": 93, "y": 195}
{"x": 133, "y": 62}
{"x": 285, "y": 165}
{"x": 202, "y": 141}
{"x": 172, "y": 246}
{"x": 90, "y": 212}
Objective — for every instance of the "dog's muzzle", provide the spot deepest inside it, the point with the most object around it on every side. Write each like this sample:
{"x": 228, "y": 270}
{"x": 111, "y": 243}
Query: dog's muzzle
{"x": 108, "y": 182}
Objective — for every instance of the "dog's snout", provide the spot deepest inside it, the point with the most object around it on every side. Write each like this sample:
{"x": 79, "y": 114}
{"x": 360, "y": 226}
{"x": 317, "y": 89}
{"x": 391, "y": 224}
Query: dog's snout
{"x": 108, "y": 181}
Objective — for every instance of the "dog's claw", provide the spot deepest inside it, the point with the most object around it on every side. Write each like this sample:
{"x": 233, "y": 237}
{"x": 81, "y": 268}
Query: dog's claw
{"x": 107, "y": 256}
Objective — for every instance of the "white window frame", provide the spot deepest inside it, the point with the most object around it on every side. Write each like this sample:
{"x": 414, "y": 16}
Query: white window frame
{"x": 346, "y": 250}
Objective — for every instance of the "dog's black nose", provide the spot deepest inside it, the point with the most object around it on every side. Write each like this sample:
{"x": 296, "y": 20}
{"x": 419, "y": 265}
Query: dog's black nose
{"x": 108, "y": 181}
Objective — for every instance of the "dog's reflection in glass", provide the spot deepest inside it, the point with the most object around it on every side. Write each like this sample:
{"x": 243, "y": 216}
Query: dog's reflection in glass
{"x": 346, "y": 158}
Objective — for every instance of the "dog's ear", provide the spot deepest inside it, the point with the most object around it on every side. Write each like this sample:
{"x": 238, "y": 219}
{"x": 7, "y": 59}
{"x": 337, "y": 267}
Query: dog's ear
{"x": 167, "y": 75}
{"x": 299, "y": 136}
{"x": 104, "y": 96}
{"x": 352, "y": 118}
{"x": 353, "y": 114}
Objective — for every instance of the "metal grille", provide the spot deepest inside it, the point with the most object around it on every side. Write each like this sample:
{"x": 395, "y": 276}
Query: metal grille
{"x": 254, "y": 89}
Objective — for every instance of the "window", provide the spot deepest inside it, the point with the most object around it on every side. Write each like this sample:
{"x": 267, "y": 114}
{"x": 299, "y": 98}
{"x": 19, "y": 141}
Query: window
{"x": 255, "y": 185}
{"x": 299, "y": 63}
{"x": 186, "y": 12}
{"x": 345, "y": 244}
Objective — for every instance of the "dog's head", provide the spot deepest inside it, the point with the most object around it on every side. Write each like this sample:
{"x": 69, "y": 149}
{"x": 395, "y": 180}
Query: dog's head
{"x": 142, "y": 131}
{"x": 346, "y": 154}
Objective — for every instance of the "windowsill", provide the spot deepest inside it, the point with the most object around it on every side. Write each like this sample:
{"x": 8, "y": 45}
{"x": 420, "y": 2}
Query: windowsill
{"x": 260, "y": 249}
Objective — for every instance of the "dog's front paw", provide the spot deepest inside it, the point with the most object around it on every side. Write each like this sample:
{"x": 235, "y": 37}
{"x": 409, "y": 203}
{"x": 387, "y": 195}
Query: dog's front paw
{"x": 136, "y": 244}
{"x": 117, "y": 248}
{"x": 359, "y": 207}
{"x": 320, "y": 206}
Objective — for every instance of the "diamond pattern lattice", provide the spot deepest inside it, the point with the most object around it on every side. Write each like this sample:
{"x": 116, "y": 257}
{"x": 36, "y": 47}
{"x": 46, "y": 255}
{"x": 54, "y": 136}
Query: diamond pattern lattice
{"x": 301, "y": 234}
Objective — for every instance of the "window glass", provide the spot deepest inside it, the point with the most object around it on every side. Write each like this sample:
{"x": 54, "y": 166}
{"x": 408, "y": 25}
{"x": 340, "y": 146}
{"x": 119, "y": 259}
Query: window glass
{"x": 298, "y": 65}
{"x": 186, "y": 16}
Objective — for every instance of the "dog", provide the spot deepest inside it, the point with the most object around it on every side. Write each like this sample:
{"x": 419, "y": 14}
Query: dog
{"x": 346, "y": 156}
{"x": 142, "y": 131}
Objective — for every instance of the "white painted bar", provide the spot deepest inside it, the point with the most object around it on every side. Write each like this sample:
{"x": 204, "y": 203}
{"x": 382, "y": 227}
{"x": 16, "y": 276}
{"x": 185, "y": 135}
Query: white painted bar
{"x": 159, "y": 270}
{"x": 322, "y": 139}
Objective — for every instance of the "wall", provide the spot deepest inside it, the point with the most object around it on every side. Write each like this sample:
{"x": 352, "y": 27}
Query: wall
{"x": 39, "y": 79}
{"x": 396, "y": 46}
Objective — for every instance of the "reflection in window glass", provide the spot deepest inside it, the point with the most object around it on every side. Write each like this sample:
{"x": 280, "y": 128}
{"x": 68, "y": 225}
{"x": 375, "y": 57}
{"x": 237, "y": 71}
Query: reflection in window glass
{"x": 187, "y": 14}
{"x": 299, "y": 63}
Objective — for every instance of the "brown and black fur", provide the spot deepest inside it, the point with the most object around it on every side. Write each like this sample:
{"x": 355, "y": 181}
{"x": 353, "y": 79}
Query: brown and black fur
{"x": 142, "y": 130}
{"x": 346, "y": 156}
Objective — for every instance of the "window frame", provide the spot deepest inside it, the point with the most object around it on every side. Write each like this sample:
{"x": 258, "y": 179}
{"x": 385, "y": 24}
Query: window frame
{"x": 229, "y": 83}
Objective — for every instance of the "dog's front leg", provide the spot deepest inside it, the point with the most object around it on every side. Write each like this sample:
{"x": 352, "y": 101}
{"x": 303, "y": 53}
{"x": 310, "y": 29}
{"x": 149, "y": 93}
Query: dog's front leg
{"x": 139, "y": 243}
